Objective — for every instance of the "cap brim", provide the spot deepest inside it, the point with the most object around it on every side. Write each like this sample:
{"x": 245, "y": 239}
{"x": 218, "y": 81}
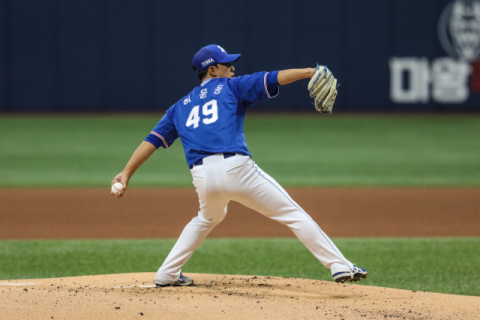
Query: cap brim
{"x": 230, "y": 58}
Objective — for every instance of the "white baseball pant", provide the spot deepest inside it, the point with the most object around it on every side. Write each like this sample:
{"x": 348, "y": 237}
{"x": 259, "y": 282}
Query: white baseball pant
{"x": 238, "y": 178}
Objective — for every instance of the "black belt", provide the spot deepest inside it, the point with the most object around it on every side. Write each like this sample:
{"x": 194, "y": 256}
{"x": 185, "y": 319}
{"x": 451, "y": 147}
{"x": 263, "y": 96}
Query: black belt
{"x": 200, "y": 162}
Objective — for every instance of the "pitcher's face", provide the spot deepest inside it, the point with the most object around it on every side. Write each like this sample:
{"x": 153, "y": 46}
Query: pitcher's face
{"x": 225, "y": 70}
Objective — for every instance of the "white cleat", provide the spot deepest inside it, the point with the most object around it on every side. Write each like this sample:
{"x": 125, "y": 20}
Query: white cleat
{"x": 355, "y": 274}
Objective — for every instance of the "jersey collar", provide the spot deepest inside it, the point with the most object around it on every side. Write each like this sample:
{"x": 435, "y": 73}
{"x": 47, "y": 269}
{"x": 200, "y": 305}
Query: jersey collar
{"x": 205, "y": 81}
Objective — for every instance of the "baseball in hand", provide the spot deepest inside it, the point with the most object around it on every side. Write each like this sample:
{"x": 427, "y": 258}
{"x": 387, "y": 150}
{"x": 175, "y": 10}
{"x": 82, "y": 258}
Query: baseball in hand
{"x": 117, "y": 188}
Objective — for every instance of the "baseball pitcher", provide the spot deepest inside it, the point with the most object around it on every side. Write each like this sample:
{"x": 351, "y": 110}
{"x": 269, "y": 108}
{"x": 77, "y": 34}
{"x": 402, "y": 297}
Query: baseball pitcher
{"x": 209, "y": 123}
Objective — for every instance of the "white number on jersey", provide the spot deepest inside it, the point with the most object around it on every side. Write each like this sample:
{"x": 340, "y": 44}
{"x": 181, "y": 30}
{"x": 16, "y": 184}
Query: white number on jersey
{"x": 212, "y": 111}
{"x": 193, "y": 118}
{"x": 209, "y": 108}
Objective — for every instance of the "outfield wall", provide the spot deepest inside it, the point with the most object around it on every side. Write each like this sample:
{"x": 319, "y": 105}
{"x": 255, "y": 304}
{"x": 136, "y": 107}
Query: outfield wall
{"x": 91, "y": 55}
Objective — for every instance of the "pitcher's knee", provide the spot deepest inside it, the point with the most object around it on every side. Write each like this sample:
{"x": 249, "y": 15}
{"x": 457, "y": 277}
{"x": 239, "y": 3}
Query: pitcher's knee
{"x": 211, "y": 220}
{"x": 215, "y": 221}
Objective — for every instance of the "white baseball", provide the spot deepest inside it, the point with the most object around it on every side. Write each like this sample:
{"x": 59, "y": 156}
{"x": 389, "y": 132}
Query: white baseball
{"x": 117, "y": 188}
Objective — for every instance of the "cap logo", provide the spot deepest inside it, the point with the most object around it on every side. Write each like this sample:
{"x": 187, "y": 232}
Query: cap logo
{"x": 221, "y": 49}
{"x": 204, "y": 63}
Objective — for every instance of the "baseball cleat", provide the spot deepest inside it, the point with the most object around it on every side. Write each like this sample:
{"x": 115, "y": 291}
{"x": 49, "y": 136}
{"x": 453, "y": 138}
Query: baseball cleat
{"x": 182, "y": 281}
{"x": 354, "y": 275}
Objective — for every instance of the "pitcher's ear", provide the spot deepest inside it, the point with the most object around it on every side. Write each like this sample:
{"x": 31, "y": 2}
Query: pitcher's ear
{"x": 212, "y": 71}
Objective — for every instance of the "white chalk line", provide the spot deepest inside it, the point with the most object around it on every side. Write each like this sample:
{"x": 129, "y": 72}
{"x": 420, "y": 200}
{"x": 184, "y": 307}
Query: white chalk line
{"x": 17, "y": 284}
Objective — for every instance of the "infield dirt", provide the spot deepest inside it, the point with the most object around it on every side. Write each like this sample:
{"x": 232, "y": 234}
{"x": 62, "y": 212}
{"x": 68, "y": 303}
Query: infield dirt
{"x": 162, "y": 213}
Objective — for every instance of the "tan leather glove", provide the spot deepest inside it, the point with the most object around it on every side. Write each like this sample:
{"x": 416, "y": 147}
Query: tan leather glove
{"x": 323, "y": 88}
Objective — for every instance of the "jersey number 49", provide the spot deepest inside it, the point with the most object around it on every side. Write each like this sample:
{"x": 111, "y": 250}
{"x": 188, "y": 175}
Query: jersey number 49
{"x": 208, "y": 109}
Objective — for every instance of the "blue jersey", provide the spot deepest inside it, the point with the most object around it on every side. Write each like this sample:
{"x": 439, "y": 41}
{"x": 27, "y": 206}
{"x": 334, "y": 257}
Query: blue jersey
{"x": 209, "y": 119}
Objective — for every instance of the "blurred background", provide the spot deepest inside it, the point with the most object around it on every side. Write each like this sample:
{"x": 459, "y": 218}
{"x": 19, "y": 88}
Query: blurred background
{"x": 111, "y": 55}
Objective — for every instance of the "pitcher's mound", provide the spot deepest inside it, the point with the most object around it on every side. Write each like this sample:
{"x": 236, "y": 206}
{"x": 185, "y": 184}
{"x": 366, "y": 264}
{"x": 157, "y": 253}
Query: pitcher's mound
{"x": 131, "y": 296}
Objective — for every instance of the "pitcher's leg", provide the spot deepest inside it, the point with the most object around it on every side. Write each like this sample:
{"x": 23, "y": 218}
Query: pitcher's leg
{"x": 191, "y": 238}
{"x": 213, "y": 208}
{"x": 266, "y": 196}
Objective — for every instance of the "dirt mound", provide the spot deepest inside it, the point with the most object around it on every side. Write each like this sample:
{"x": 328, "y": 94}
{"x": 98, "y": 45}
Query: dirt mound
{"x": 131, "y": 296}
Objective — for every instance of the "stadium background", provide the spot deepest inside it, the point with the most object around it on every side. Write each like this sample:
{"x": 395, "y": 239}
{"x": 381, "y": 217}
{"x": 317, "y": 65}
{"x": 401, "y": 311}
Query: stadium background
{"x": 119, "y": 58}
{"x": 135, "y": 55}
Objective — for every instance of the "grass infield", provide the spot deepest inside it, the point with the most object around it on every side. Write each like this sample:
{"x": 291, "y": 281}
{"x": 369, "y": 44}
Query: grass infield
{"x": 307, "y": 150}
{"x": 446, "y": 265}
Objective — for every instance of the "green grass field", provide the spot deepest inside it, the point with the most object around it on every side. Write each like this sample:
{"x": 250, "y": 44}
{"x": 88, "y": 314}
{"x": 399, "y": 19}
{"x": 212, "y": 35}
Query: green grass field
{"x": 308, "y": 150}
{"x": 435, "y": 265}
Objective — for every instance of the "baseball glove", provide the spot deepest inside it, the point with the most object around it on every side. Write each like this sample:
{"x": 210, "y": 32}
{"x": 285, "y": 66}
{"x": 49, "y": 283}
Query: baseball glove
{"x": 323, "y": 88}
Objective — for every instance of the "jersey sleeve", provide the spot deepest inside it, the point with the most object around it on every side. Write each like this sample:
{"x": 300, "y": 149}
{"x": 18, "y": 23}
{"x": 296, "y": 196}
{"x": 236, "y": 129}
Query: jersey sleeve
{"x": 164, "y": 133}
{"x": 255, "y": 88}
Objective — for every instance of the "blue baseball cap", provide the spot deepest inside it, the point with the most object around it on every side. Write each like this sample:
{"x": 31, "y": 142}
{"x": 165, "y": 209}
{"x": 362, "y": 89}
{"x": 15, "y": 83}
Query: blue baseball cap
{"x": 212, "y": 54}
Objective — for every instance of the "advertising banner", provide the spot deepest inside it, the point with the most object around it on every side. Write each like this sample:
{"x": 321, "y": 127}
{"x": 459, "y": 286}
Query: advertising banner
{"x": 450, "y": 77}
